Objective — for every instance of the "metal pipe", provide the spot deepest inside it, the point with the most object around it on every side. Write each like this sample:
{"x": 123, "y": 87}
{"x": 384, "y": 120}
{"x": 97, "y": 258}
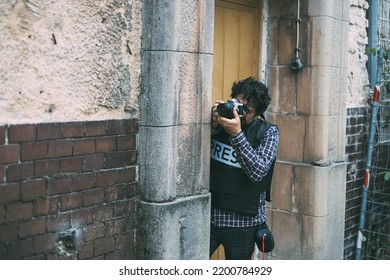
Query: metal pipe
{"x": 375, "y": 66}
{"x": 296, "y": 63}
{"x": 298, "y": 20}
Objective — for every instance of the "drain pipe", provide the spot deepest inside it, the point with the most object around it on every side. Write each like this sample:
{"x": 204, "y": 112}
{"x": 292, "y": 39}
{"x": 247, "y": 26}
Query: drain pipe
{"x": 296, "y": 63}
{"x": 375, "y": 78}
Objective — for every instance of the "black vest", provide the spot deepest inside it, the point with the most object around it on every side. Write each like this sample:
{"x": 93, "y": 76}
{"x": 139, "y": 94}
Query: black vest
{"x": 230, "y": 187}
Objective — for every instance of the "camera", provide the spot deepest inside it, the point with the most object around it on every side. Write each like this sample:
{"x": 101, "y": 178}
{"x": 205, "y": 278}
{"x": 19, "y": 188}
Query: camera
{"x": 226, "y": 109}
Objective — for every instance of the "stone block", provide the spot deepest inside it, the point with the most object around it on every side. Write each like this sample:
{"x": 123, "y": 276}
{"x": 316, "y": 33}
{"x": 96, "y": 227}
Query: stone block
{"x": 157, "y": 163}
{"x": 292, "y": 136}
{"x": 193, "y": 159}
{"x": 324, "y": 34}
{"x": 302, "y": 237}
{"x": 174, "y": 230}
{"x": 334, "y": 8}
{"x": 178, "y": 25}
{"x": 324, "y": 140}
{"x": 176, "y": 88}
{"x": 282, "y": 90}
{"x": 282, "y": 187}
{"x": 318, "y": 191}
{"x": 323, "y": 237}
{"x": 287, "y": 230}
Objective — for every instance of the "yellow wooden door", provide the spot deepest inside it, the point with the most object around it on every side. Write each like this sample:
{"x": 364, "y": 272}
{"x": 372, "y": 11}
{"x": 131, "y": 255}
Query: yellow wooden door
{"x": 236, "y": 50}
{"x": 236, "y": 43}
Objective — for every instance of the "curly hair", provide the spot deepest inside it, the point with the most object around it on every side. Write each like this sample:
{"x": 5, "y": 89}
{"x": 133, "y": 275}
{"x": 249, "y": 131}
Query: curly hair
{"x": 254, "y": 91}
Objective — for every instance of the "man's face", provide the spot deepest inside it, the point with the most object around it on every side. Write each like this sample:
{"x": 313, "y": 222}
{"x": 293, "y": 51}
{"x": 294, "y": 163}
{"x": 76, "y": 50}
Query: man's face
{"x": 250, "y": 111}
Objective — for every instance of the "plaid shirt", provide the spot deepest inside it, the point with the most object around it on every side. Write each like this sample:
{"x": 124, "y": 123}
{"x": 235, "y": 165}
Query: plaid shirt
{"x": 255, "y": 163}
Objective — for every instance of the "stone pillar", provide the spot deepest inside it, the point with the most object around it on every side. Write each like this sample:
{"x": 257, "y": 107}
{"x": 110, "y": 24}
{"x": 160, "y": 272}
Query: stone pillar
{"x": 174, "y": 138}
{"x": 307, "y": 213}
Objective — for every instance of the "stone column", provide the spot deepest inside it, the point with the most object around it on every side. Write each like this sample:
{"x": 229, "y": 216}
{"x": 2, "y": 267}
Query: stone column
{"x": 174, "y": 138}
{"x": 307, "y": 213}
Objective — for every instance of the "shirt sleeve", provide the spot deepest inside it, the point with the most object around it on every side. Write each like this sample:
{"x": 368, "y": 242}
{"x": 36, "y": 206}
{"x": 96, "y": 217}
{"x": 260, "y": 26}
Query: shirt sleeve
{"x": 256, "y": 162}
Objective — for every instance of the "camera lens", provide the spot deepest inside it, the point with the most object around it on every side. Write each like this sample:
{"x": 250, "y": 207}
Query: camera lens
{"x": 226, "y": 109}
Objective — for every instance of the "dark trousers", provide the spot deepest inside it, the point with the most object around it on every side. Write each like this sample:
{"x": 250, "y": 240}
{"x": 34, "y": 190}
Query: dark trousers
{"x": 238, "y": 243}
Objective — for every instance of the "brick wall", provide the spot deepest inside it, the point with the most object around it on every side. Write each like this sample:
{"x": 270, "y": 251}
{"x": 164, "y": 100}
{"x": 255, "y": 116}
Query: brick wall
{"x": 68, "y": 190}
{"x": 358, "y": 121}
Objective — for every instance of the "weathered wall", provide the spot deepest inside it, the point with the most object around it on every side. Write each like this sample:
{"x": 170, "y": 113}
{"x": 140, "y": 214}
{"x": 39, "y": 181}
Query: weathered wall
{"x": 358, "y": 118}
{"x": 309, "y": 108}
{"x": 69, "y": 111}
{"x": 358, "y": 80}
{"x": 69, "y": 60}
{"x": 68, "y": 190}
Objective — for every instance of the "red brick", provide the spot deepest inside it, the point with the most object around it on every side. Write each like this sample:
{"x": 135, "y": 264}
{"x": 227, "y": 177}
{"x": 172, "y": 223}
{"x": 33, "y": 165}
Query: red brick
{"x": 73, "y": 129}
{"x": 93, "y": 162}
{"x": 45, "y": 206}
{"x": 2, "y": 213}
{"x": 73, "y": 164}
{"x": 104, "y": 212}
{"x": 131, "y": 190}
{"x": 105, "y": 178}
{"x": 120, "y": 159}
{"x": 19, "y": 211}
{"x": 9, "y": 153}
{"x": 116, "y": 127}
{"x": 8, "y": 232}
{"x": 132, "y": 126}
{"x": 19, "y": 249}
{"x": 93, "y": 197}
{"x": 104, "y": 246}
{"x": 46, "y": 131}
{"x": 9, "y": 192}
{"x": 58, "y": 223}
{"x": 2, "y": 173}
{"x": 124, "y": 240}
{"x": 84, "y": 181}
{"x": 48, "y": 167}
{"x": 106, "y": 144}
{"x": 20, "y": 172}
{"x": 59, "y": 185}
{"x": 32, "y": 228}
{"x": 114, "y": 193}
{"x": 94, "y": 231}
{"x": 34, "y": 150}
{"x": 96, "y": 128}
{"x": 60, "y": 148}
{"x": 130, "y": 254}
{"x": 125, "y": 126}
{"x": 33, "y": 189}
{"x": 44, "y": 243}
{"x": 125, "y": 175}
{"x": 86, "y": 251}
{"x": 115, "y": 227}
{"x": 83, "y": 147}
{"x": 82, "y": 217}
{"x": 22, "y": 133}
{"x": 2, "y": 135}
{"x": 126, "y": 142}
{"x": 71, "y": 201}
{"x": 124, "y": 208}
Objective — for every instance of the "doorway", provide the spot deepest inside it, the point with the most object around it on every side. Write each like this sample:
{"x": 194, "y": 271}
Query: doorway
{"x": 237, "y": 37}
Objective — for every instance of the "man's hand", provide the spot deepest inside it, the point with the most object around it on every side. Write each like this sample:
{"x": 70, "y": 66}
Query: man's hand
{"x": 231, "y": 126}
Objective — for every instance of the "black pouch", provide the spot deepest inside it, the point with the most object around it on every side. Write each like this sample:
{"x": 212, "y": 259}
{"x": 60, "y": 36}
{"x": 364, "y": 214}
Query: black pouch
{"x": 264, "y": 239}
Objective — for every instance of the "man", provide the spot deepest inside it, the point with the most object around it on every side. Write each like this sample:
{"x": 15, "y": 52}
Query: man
{"x": 243, "y": 152}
